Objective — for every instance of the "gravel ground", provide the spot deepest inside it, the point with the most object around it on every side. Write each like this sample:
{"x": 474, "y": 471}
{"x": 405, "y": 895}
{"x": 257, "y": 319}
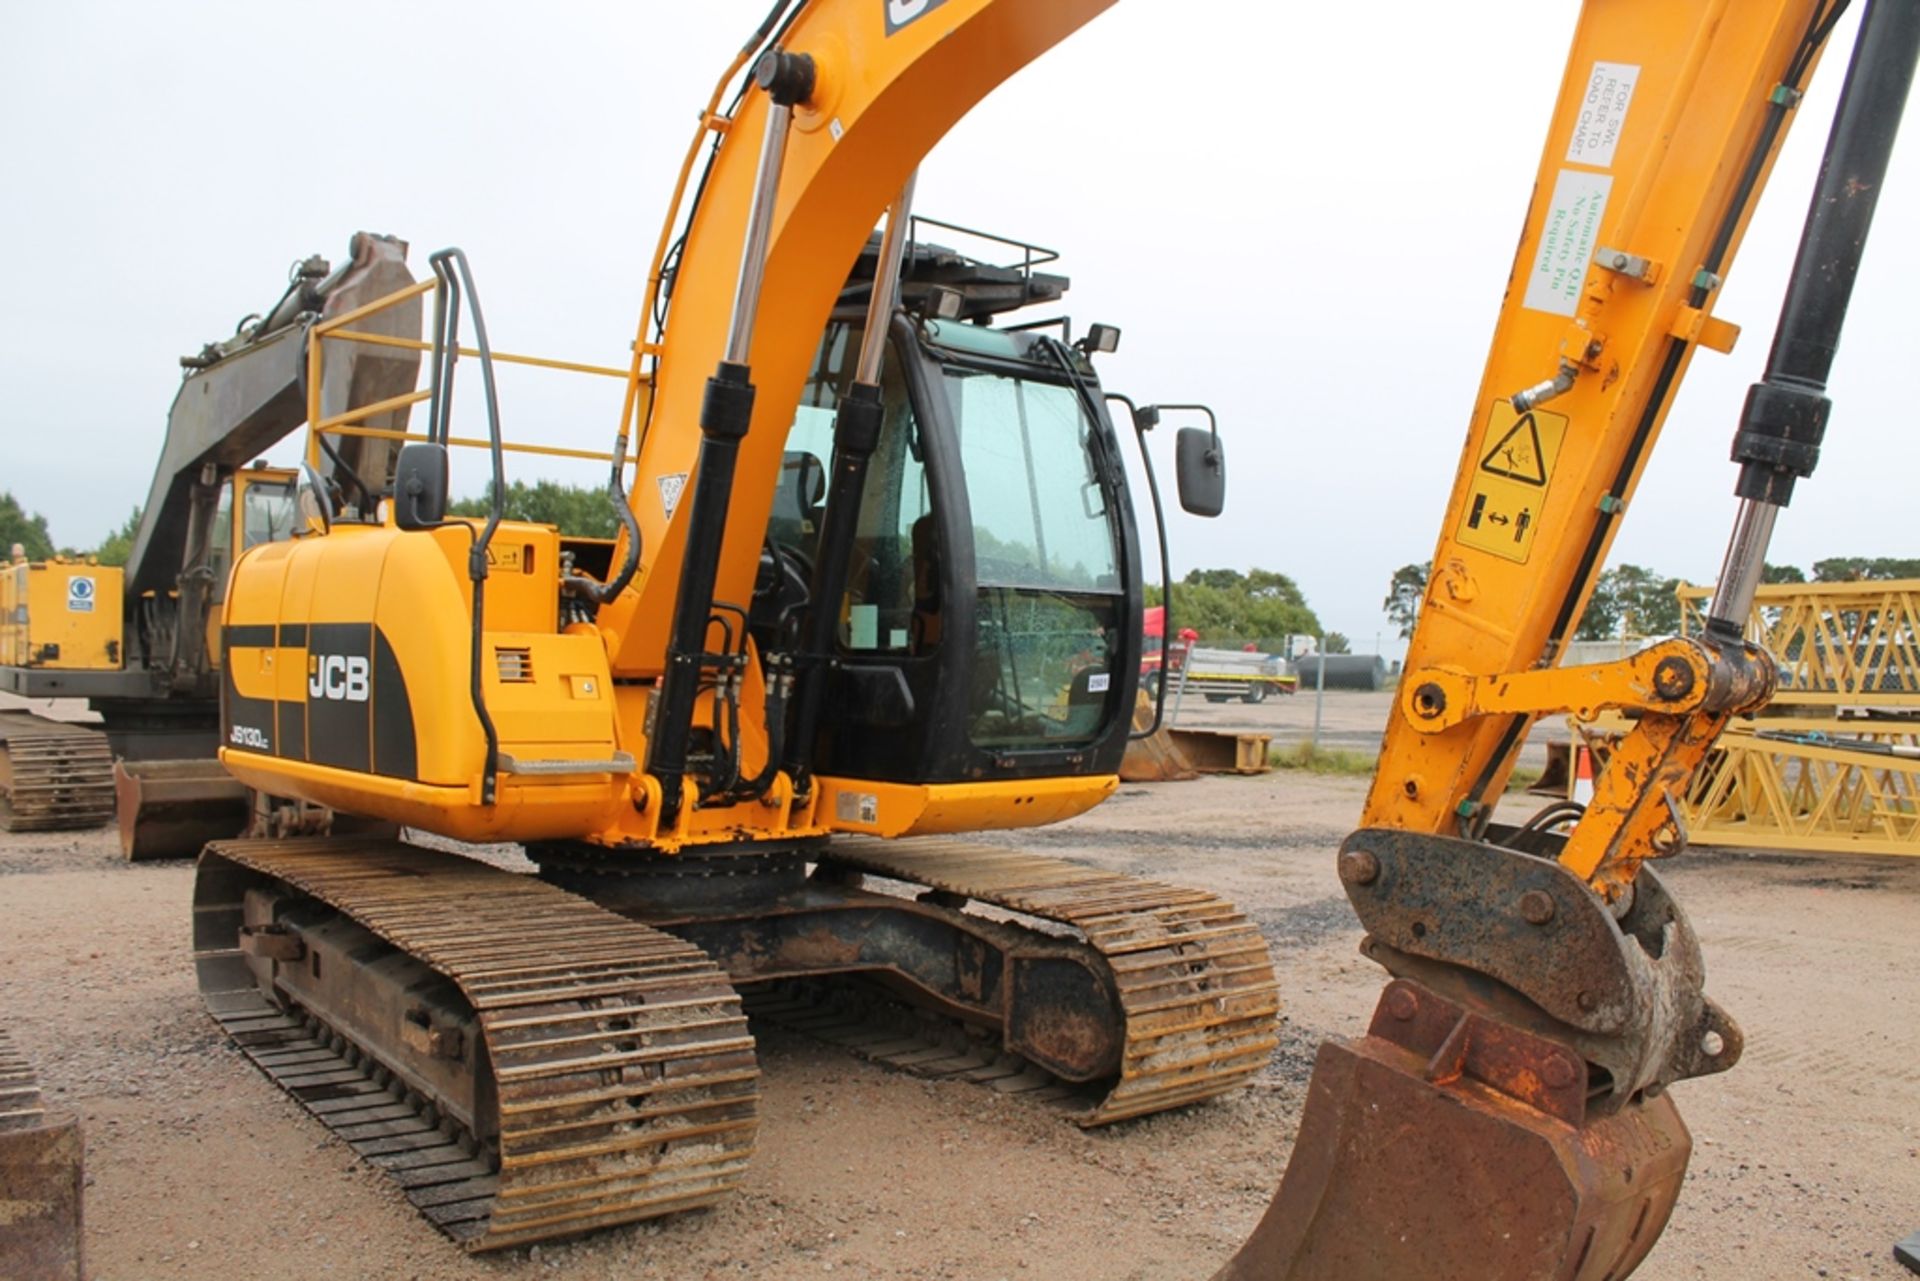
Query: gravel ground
{"x": 1807, "y": 1159}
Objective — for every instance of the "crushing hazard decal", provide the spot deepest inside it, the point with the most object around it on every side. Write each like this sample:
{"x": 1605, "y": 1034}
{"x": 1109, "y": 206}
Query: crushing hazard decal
{"x": 1509, "y": 487}
{"x": 671, "y": 487}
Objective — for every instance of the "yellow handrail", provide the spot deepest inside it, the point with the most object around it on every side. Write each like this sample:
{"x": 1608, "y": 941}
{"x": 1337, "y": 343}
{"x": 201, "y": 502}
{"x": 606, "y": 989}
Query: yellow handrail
{"x": 367, "y": 411}
{"x": 366, "y": 309}
{"x": 504, "y": 357}
{"x": 351, "y": 422}
{"x": 474, "y": 442}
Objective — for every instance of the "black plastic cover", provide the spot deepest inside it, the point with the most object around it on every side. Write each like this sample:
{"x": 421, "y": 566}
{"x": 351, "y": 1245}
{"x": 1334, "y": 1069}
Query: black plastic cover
{"x": 1200, "y": 468}
{"x": 420, "y": 485}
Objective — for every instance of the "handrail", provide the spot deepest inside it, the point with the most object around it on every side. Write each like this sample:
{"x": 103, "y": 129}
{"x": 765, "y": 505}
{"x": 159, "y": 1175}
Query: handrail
{"x": 366, "y": 309}
{"x": 359, "y": 412}
{"x": 352, "y": 422}
{"x": 1031, "y": 255}
{"x": 417, "y": 344}
{"x": 473, "y": 442}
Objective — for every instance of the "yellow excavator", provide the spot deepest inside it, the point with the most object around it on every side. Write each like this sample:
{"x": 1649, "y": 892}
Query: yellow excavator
{"x": 879, "y": 584}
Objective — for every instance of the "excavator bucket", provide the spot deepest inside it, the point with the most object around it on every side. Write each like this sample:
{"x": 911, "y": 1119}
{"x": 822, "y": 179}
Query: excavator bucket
{"x": 1155, "y": 758}
{"x": 1451, "y": 1147}
{"x": 40, "y": 1179}
{"x": 169, "y": 809}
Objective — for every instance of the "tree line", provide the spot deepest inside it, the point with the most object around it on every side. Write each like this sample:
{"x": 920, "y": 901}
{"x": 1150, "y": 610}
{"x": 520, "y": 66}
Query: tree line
{"x": 1632, "y": 600}
{"x": 28, "y": 531}
{"x": 581, "y": 512}
{"x": 1229, "y": 609}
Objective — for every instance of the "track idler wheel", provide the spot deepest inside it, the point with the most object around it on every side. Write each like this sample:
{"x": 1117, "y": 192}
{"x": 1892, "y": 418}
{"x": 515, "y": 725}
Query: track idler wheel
{"x": 1451, "y": 1147}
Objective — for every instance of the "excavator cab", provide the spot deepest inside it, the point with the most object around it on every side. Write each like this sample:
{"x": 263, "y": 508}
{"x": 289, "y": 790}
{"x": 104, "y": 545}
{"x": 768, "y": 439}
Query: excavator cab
{"x": 994, "y": 570}
{"x": 258, "y": 504}
{"x": 259, "y": 507}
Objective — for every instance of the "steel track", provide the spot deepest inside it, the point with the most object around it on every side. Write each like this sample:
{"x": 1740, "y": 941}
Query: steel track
{"x": 53, "y": 777}
{"x": 1194, "y": 978}
{"x": 20, "y": 1105}
{"x": 624, "y": 1073}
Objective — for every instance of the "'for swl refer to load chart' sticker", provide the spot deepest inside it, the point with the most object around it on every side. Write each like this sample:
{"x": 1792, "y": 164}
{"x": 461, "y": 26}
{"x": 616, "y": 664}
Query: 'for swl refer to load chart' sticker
{"x": 1509, "y": 487}
{"x": 1602, "y": 115}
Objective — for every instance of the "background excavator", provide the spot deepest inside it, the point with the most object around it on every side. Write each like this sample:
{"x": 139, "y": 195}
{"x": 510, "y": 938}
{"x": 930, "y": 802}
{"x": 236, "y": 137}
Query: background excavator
{"x": 140, "y": 642}
{"x": 734, "y": 741}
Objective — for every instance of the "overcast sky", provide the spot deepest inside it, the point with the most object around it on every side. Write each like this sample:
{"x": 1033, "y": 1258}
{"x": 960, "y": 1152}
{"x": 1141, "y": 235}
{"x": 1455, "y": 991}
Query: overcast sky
{"x": 1263, "y": 196}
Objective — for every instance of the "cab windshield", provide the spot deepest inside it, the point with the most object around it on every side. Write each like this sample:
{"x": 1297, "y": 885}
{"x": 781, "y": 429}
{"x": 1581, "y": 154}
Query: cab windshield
{"x": 267, "y": 512}
{"x": 1045, "y": 548}
{"x": 1049, "y": 591}
{"x": 1039, "y": 511}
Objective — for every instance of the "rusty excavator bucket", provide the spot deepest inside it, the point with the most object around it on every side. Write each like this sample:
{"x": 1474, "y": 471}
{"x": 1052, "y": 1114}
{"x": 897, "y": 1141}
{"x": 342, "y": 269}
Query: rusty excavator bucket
{"x": 1449, "y": 1147}
{"x": 170, "y": 809}
{"x": 1505, "y": 1118}
{"x": 1153, "y": 757}
{"x": 40, "y": 1179}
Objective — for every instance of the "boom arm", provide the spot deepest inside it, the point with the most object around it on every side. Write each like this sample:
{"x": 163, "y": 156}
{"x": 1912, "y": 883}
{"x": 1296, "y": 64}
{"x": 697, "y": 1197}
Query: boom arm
{"x": 1506, "y": 1115}
{"x": 1647, "y": 166}
{"x": 890, "y": 81}
{"x": 240, "y": 397}
{"x": 243, "y": 395}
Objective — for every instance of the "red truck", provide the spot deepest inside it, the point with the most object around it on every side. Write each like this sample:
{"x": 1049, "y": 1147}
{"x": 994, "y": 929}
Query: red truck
{"x": 1219, "y": 674}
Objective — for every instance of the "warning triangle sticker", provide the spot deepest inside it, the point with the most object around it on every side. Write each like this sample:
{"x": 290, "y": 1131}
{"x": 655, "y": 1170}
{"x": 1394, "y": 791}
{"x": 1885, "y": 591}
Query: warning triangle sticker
{"x": 1518, "y": 454}
{"x": 671, "y": 487}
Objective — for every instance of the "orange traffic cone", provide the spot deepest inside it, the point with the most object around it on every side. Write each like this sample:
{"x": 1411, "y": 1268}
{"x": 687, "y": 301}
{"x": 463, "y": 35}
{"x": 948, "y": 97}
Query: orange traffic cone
{"x": 1582, "y": 774}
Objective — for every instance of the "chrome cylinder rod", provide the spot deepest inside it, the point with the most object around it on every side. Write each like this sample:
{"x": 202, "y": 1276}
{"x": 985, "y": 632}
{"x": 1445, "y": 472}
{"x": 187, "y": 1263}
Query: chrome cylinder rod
{"x": 886, "y": 284}
{"x": 1740, "y": 572}
{"x": 753, "y": 252}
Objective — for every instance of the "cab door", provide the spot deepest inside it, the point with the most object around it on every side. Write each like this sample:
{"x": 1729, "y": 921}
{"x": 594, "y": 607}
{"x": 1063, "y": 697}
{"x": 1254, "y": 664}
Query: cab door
{"x": 990, "y": 626}
{"x": 257, "y": 505}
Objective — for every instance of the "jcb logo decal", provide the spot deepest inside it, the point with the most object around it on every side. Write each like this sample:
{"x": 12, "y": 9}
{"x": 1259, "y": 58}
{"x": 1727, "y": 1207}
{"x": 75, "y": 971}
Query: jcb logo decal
{"x": 343, "y": 678}
{"x": 901, "y": 12}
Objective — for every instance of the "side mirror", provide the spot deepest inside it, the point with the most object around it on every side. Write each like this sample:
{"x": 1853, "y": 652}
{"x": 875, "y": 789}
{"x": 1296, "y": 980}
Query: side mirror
{"x": 420, "y": 485}
{"x": 312, "y": 502}
{"x": 1200, "y": 468}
